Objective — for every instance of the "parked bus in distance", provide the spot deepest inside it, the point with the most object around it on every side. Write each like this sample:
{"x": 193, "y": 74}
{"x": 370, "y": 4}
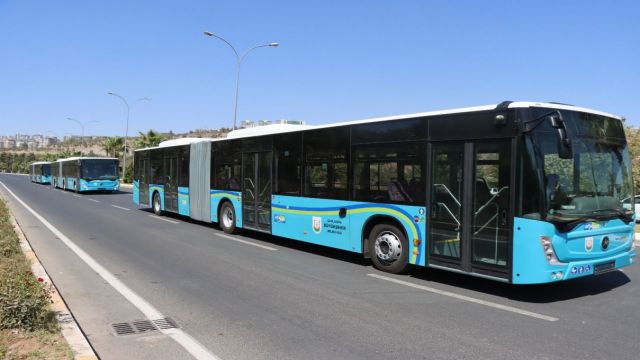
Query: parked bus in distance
{"x": 519, "y": 192}
{"x": 86, "y": 174}
{"x": 40, "y": 172}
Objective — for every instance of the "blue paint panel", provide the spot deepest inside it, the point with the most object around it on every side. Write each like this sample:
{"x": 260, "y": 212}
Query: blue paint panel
{"x": 183, "y": 201}
{"x": 530, "y": 265}
{"x": 160, "y": 189}
{"x": 317, "y": 221}
{"x": 136, "y": 192}
{"x": 236, "y": 200}
{"x": 99, "y": 185}
{"x": 71, "y": 183}
{"x": 41, "y": 179}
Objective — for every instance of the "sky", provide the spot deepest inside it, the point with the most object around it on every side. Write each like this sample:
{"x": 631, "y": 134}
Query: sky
{"x": 337, "y": 60}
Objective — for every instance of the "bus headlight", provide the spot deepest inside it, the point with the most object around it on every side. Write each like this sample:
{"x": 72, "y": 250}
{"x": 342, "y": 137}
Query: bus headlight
{"x": 545, "y": 241}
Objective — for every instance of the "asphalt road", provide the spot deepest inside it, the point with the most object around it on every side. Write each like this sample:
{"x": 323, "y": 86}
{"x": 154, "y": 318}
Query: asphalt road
{"x": 269, "y": 298}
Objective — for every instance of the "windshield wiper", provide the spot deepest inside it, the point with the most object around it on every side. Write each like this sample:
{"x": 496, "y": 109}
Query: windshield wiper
{"x": 567, "y": 224}
{"x": 616, "y": 212}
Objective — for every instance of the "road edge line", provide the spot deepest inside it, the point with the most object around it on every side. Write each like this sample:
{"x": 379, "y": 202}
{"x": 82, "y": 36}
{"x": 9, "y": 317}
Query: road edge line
{"x": 69, "y": 326}
{"x": 182, "y": 338}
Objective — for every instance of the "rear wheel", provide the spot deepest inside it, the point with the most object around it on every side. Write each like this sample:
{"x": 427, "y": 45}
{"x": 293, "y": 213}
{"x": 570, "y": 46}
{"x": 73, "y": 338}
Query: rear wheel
{"x": 157, "y": 206}
{"x": 227, "y": 218}
{"x": 389, "y": 248}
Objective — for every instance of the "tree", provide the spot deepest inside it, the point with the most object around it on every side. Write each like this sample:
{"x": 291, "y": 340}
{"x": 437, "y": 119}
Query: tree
{"x": 150, "y": 139}
{"x": 633, "y": 141}
{"x": 113, "y": 146}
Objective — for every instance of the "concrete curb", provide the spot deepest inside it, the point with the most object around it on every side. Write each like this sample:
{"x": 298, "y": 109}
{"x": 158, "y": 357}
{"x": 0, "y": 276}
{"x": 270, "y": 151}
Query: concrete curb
{"x": 126, "y": 186}
{"x": 70, "y": 329}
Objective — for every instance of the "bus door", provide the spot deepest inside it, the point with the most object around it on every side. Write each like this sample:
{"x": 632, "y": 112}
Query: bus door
{"x": 171, "y": 184}
{"x": 470, "y": 207}
{"x": 256, "y": 191}
{"x": 144, "y": 181}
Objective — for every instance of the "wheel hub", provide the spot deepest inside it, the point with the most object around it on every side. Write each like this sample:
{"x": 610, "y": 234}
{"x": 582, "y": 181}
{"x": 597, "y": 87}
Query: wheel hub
{"x": 227, "y": 218}
{"x": 388, "y": 247}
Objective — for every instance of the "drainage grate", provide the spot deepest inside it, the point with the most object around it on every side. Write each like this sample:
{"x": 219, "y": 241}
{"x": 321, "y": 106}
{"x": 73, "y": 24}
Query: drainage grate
{"x": 143, "y": 326}
{"x": 166, "y": 323}
{"x": 123, "y": 329}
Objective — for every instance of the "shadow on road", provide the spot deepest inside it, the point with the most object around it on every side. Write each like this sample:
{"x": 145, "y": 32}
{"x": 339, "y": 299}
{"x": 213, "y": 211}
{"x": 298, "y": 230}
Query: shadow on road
{"x": 543, "y": 293}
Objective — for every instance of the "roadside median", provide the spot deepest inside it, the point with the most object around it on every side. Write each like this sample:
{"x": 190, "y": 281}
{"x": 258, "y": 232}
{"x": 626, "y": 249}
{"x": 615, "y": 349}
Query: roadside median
{"x": 34, "y": 320}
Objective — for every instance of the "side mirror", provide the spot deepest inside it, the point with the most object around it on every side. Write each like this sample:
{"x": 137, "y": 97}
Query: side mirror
{"x": 565, "y": 150}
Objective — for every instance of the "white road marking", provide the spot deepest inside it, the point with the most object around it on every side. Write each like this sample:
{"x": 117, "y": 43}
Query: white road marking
{"x": 94, "y": 200}
{"x": 467, "y": 298}
{"x": 190, "y": 344}
{"x": 120, "y": 207}
{"x": 76, "y": 195}
{"x": 246, "y": 242}
{"x": 163, "y": 219}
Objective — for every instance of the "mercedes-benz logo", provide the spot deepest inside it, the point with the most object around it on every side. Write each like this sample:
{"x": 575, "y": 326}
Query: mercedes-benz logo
{"x": 605, "y": 243}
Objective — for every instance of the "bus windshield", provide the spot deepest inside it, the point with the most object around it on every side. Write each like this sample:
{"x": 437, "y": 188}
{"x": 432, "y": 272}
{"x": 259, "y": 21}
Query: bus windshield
{"x": 595, "y": 184}
{"x": 99, "y": 169}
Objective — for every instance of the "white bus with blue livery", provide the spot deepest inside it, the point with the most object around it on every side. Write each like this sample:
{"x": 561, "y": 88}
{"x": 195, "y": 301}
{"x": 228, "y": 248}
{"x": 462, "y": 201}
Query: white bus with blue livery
{"x": 40, "y": 172}
{"x": 81, "y": 174}
{"x": 519, "y": 192}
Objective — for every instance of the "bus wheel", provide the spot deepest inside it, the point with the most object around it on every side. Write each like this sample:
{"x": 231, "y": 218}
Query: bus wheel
{"x": 227, "y": 218}
{"x": 390, "y": 248}
{"x": 157, "y": 206}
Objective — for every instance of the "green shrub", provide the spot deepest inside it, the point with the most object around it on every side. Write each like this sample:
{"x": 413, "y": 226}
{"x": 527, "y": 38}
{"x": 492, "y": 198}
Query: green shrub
{"x": 24, "y": 301}
{"x": 9, "y": 244}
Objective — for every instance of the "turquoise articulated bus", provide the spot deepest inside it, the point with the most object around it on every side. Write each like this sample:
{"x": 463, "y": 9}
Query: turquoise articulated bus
{"x": 518, "y": 192}
{"x": 82, "y": 174}
{"x": 40, "y": 172}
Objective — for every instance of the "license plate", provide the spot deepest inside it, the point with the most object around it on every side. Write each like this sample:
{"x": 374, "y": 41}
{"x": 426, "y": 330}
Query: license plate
{"x": 604, "y": 267}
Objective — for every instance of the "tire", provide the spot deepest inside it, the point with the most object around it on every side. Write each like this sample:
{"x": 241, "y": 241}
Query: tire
{"x": 389, "y": 248}
{"x": 157, "y": 205}
{"x": 77, "y": 184}
{"x": 227, "y": 218}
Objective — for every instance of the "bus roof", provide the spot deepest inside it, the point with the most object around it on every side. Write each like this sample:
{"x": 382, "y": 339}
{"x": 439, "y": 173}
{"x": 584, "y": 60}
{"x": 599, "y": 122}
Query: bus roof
{"x": 40, "y": 162}
{"x": 85, "y": 158}
{"x": 284, "y": 128}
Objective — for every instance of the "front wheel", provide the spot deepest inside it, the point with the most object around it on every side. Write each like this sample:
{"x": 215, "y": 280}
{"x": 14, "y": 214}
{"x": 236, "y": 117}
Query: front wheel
{"x": 157, "y": 206}
{"x": 227, "y": 218}
{"x": 389, "y": 248}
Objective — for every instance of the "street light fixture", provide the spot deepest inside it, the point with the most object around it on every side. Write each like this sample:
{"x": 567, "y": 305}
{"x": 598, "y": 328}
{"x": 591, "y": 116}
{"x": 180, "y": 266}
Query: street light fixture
{"x": 126, "y": 131}
{"x": 82, "y": 125}
{"x": 239, "y": 60}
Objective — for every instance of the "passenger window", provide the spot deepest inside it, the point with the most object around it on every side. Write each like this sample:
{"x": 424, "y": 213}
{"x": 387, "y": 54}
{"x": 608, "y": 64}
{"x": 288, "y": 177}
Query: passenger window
{"x": 389, "y": 173}
{"x": 325, "y": 157}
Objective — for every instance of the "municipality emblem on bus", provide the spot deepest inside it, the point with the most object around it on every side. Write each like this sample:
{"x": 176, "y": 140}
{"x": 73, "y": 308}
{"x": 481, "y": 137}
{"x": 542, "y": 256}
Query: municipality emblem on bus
{"x": 316, "y": 224}
{"x": 588, "y": 243}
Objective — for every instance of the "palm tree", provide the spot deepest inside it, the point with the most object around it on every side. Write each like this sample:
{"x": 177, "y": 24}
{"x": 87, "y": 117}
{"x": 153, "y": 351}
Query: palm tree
{"x": 150, "y": 139}
{"x": 113, "y": 146}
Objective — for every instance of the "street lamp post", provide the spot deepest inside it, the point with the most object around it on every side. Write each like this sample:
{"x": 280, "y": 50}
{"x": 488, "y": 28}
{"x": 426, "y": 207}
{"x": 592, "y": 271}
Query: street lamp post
{"x": 126, "y": 131}
{"x": 82, "y": 125}
{"x": 239, "y": 60}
